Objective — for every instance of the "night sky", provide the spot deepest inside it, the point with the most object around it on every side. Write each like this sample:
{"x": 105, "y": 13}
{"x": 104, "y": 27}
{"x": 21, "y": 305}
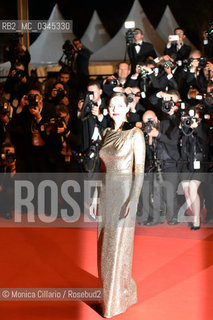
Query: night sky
{"x": 193, "y": 16}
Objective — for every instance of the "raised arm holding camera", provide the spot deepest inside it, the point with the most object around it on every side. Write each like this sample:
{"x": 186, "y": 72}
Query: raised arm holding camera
{"x": 198, "y": 73}
{"x": 17, "y": 84}
{"x": 92, "y": 112}
{"x": 63, "y": 143}
{"x": 176, "y": 48}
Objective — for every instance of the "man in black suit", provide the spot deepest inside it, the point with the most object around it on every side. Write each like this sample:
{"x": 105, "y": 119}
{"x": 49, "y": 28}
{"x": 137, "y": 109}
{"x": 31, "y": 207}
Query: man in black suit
{"x": 163, "y": 140}
{"x": 139, "y": 50}
{"x": 80, "y": 64}
{"x": 82, "y": 57}
{"x": 27, "y": 131}
{"x": 120, "y": 79}
{"x": 208, "y": 42}
{"x": 179, "y": 51}
{"x": 92, "y": 113}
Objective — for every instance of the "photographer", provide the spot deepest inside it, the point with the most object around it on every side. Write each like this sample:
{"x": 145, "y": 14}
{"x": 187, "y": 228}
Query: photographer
{"x": 198, "y": 72}
{"x": 93, "y": 121}
{"x": 120, "y": 79}
{"x": 136, "y": 109}
{"x": 154, "y": 77}
{"x": 81, "y": 59}
{"x": 208, "y": 99}
{"x": 163, "y": 141}
{"x": 138, "y": 50}
{"x": 65, "y": 76}
{"x": 62, "y": 143}
{"x": 208, "y": 41}
{"x": 5, "y": 116}
{"x": 164, "y": 102}
{"x": 162, "y": 78}
{"x": 194, "y": 152}
{"x": 17, "y": 84}
{"x": 28, "y": 134}
{"x": 58, "y": 95}
{"x": 80, "y": 64}
{"x": 8, "y": 158}
{"x": 179, "y": 51}
{"x": 8, "y": 170}
{"x": 16, "y": 52}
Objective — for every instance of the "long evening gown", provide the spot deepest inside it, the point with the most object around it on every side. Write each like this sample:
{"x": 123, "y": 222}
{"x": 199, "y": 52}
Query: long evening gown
{"x": 121, "y": 153}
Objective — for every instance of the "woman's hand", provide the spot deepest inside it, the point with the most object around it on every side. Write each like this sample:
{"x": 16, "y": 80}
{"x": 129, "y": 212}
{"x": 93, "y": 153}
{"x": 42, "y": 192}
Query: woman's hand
{"x": 129, "y": 206}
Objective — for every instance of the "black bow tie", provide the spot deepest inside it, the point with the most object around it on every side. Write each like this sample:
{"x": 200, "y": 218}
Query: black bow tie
{"x": 137, "y": 44}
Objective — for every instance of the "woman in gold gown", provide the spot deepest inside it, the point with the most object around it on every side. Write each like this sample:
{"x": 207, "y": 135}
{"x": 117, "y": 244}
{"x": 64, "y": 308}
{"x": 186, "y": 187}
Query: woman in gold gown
{"x": 122, "y": 153}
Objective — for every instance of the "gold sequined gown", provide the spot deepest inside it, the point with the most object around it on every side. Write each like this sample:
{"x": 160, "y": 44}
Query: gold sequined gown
{"x": 121, "y": 153}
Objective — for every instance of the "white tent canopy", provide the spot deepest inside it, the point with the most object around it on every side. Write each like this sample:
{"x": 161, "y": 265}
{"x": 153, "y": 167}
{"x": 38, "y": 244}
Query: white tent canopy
{"x": 4, "y": 69}
{"x": 115, "y": 48}
{"x": 95, "y": 35}
{"x": 167, "y": 25}
{"x": 46, "y": 50}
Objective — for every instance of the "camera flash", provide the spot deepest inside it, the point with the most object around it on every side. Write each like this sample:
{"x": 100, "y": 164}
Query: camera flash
{"x": 191, "y": 113}
{"x": 129, "y": 24}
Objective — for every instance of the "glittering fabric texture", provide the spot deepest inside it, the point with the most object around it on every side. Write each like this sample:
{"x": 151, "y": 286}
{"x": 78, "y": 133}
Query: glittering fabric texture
{"x": 122, "y": 153}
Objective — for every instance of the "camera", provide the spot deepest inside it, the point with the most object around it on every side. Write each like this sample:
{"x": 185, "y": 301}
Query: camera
{"x": 168, "y": 64}
{"x": 59, "y": 121}
{"x": 33, "y": 100}
{"x": 173, "y": 37}
{"x": 183, "y": 108}
{"x": 202, "y": 62}
{"x": 19, "y": 75}
{"x": 68, "y": 49}
{"x": 3, "y": 107}
{"x": 93, "y": 150}
{"x": 187, "y": 121}
{"x": 130, "y": 36}
{"x": 188, "y": 64}
{"x": 148, "y": 126}
{"x": 167, "y": 105}
{"x": 88, "y": 103}
{"x": 60, "y": 94}
{"x": 112, "y": 82}
{"x": 143, "y": 72}
{"x": 9, "y": 157}
{"x": 130, "y": 96}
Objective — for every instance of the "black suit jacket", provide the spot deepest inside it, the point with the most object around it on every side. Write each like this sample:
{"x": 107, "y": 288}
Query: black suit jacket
{"x": 181, "y": 54}
{"x": 82, "y": 62}
{"x": 146, "y": 51}
{"x": 169, "y": 135}
{"x": 87, "y": 125}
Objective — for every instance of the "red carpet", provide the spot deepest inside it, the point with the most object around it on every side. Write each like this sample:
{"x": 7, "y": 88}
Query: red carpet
{"x": 173, "y": 269}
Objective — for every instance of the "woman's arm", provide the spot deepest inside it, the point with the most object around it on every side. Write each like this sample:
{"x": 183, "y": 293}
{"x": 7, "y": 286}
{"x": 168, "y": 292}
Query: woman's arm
{"x": 139, "y": 160}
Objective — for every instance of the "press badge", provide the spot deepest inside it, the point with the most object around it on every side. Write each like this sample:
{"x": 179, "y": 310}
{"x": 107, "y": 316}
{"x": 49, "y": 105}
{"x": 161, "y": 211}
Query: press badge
{"x": 196, "y": 164}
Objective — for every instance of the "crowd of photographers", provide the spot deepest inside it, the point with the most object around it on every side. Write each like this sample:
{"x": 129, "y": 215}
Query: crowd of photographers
{"x": 58, "y": 128}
